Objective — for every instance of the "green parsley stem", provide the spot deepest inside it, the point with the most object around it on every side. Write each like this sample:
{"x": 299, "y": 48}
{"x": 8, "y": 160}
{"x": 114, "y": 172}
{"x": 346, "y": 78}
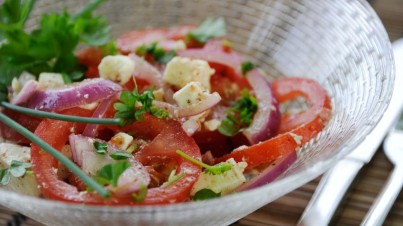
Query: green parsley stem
{"x": 68, "y": 118}
{"x": 191, "y": 159}
{"x": 55, "y": 153}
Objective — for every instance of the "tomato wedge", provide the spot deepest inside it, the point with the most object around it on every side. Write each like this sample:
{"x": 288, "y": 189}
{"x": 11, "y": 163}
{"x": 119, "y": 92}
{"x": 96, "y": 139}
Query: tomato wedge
{"x": 295, "y": 131}
{"x": 171, "y": 138}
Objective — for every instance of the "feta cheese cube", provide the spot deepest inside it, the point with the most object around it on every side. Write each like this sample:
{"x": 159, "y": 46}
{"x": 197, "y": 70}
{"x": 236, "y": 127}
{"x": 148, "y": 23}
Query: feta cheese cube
{"x": 50, "y": 80}
{"x": 181, "y": 70}
{"x": 191, "y": 94}
{"x": 116, "y": 68}
{"x": 121, "y": 140}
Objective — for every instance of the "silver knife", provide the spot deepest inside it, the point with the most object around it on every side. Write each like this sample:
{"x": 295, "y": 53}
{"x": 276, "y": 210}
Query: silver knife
{"x": 334, "y": 184}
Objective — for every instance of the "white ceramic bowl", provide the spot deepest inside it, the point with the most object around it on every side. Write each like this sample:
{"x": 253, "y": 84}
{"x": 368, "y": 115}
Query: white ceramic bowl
{"x": 342, "y": 44}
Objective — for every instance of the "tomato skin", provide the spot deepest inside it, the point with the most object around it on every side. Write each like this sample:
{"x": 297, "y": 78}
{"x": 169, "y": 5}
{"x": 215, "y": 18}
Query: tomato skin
{"x": 166, "y": 37}
{"x": 294, "y": 134}
{"x": 56, "y": 134}
{"x": 26, "y": 121}
{"x": 91, "y": 58}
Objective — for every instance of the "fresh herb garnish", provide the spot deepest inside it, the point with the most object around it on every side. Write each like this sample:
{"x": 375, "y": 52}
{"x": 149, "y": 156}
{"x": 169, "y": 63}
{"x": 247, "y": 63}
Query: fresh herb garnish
{"x": 100, "y": 148}
{"x": 16, "y": 169}
{"x": 141, "y": 194}
{"x": 173, "y": 178}
{"x": 217, "y": 169}
{"x": 208, "y": 29}
{"x": 110, "y": 173}
{"x": 246, "y": 66}
{"x": 133, "y": 106}
{"x": 51, "y": 46}
{"x": 120, "y": 155}
{"x": 239, "y": 115}
{"x": 204, "y": 194}
{"x": 160, "y": 55}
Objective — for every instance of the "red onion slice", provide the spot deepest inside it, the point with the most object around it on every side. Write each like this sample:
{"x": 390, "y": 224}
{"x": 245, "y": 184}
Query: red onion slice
{"x": 267, "y": 118}
{"x": 76, "y": 94}
{"x": 146, "y": 71}
{"x": 26, "y": 92}
{"x": 270, "y": 173}
{"x": 85, "y": 156}
{"x": 91, "y": 130}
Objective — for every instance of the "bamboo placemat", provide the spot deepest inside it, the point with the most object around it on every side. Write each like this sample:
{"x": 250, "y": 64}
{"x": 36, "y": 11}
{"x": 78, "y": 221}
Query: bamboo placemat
{"x": 288, "y": 209}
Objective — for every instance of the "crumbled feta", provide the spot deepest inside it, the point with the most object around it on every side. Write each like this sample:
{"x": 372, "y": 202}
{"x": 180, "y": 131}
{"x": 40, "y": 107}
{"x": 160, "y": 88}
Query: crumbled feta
{"x": 116, "y": 68}
{"x": 181, "y": 70}
{"x": 222, "y": 183}
{"x": 179, "y": 45}
{"x": 50, "y": 80}
{"x": 25, "y": 184}
{"x": 212, "y": 124}
{"x": 121, "y": 140}
{"x": 191, "y": 94}
{"x": 159, "y": 94}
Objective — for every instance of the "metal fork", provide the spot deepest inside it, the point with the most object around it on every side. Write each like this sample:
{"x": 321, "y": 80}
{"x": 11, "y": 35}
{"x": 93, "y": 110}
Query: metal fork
{"x": 393, "y": 147}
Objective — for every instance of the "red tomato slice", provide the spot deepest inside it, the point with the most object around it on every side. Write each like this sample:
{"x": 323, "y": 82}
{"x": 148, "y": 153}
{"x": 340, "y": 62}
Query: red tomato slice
{"x": 298, "y": 132}
{"x": 26, "y": 121}
{"x": 90, "y": 57}
{"x": 166, "y": 37}
{"x": 56, "y": 134}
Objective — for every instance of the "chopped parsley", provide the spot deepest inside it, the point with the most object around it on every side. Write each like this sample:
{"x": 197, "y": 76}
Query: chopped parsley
{"x": 133, "y": 106}
{"x": 160, "y": 55}
{"x": 120, "y": 155}
{"x": 208, "y": 29}
{"x": 110, "y": 173}
{"x": 100, "y": 148}
{"x": 217, "y": 169}
{"x": 246, "y": 66}
{"x": 173, "y": 178}
{"x": 140, "y": 195}
{"x": 204, "y": 194}
{"x": 239, "y": 115}
{"x": 16, "y": 169}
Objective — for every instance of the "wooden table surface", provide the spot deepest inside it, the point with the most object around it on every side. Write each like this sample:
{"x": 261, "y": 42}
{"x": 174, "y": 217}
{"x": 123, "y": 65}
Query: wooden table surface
{"x": 288, "y": 209}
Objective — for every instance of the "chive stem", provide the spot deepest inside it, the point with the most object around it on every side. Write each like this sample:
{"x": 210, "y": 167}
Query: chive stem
{"x": 55, "y": 153}
{"x": 191, "y": 159}
{"x": 67, "y": 118}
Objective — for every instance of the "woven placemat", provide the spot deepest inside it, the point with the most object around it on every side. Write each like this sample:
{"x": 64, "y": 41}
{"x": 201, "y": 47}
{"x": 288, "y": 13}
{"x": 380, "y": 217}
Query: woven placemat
{"x": 288, "y": 209}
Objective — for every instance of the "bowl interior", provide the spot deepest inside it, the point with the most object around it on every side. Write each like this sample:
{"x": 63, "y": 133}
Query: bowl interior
{"x": 341, "y": 44}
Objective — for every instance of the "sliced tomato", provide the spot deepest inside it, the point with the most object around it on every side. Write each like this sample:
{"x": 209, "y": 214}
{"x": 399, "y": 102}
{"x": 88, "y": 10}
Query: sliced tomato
{"x": 294, "y": 133}
{"x": 91, "y": 58}
{"x": 167, "y": 38}
{"x": 170, "y": 138}
{"x": 26, "y": 121}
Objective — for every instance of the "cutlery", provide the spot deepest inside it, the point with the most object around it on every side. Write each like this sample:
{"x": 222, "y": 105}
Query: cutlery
{"x": 393, "y": 147}
{"x": 333, "y": 184}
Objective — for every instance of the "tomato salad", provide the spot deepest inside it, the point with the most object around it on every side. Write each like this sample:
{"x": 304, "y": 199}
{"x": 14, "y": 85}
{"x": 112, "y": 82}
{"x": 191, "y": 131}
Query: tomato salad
{"x": 190, "y": 119}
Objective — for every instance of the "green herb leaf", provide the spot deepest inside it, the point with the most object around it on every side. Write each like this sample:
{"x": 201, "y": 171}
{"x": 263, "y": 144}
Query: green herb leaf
{"x": 120, "y": 155}
{"x": 141, "y": 194}
{"x": 209, "y": 29}
{"x": 160, "y": 55}
{"x": 217, "y": 169}
{"x": 16, "y": 169}
{"x": 205, "y": 194}
{"x": 134, "y": 105}
{"x": 100, "y": 148}
{"x": 109, "y": 174}
{"x": 239, "y": 115}
{"x": 13, "y": 14}
{"x": 246, "y": 66}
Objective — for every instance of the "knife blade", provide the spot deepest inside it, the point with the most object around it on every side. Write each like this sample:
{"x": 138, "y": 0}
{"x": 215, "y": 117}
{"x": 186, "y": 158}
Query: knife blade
{"x": 333, "y": 185}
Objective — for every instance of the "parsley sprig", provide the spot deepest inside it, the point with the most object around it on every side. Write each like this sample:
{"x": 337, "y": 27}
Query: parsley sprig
{"x": 110, "y": 173}
{"x": 208, "y": 29}
{"x": 159, "y": 54}
{"x": 217, "y": 169}
{"x": 239, "y": 115}
{"x": 205, "y": 194}
{"x": 16, "y": 169}
{"x": 133, "y": 106}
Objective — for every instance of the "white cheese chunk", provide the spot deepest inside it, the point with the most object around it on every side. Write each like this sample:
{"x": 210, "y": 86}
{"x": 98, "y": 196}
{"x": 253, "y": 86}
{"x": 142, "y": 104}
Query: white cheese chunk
{"x": 50, "y": 80}
{"x": 121, "y": 140}
{"x": 25, "y": 184}
{"x": 191, "y": 94}
{"x": 222, "y": 183}
{"x": 181, "y": 70}
{"x": 116, "y": 68}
